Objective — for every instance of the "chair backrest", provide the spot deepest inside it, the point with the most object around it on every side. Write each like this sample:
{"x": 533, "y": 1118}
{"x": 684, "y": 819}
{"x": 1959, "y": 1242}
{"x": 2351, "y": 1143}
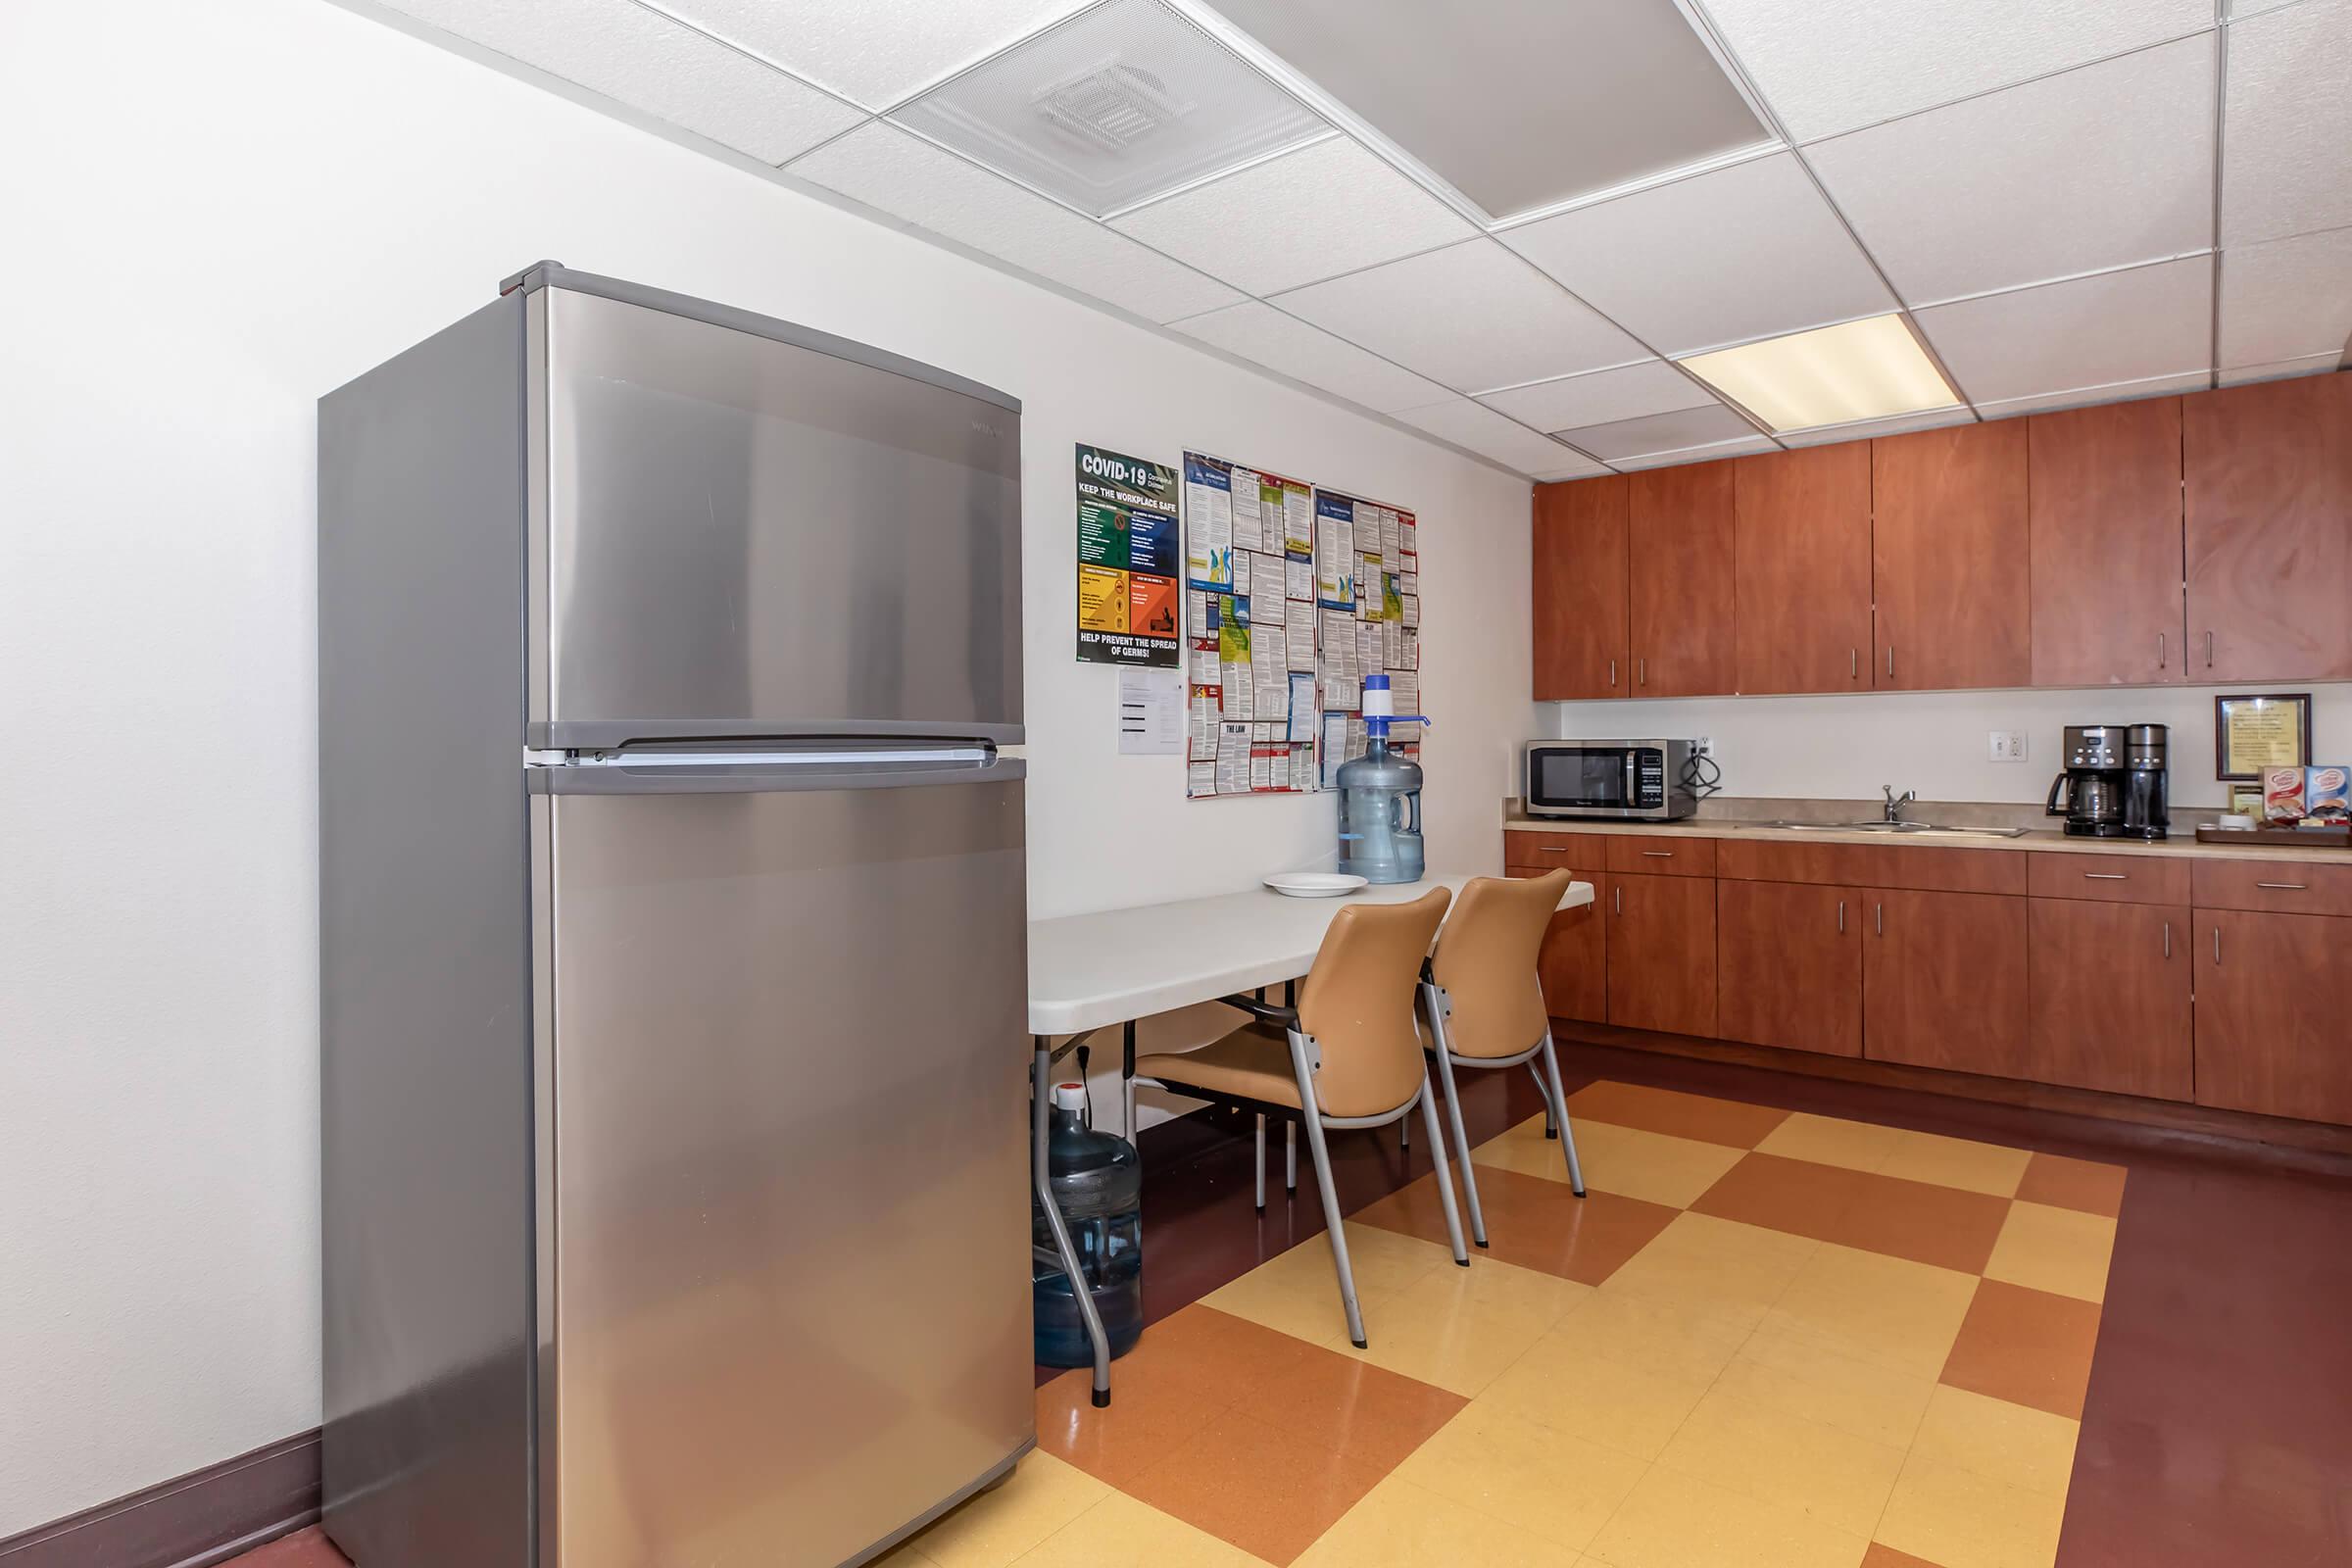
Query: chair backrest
{"x": 1486, "y": 963}
{"x": 1357, "y": 1002}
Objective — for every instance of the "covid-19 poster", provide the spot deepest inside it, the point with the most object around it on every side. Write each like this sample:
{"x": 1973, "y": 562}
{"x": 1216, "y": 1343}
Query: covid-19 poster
{"x": 1129, "y": 561}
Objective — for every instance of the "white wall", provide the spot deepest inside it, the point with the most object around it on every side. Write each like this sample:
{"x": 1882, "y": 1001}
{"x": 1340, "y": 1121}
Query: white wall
{"x": 216, "y": 213}
{"x": 1845, "y": 747}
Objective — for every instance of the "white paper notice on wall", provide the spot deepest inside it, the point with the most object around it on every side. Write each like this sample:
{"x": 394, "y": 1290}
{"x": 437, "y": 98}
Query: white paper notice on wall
{"x": 1150, "y": 712}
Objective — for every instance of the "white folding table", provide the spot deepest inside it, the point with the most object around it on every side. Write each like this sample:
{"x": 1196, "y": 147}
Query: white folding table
{"x": 1089, "y": 971}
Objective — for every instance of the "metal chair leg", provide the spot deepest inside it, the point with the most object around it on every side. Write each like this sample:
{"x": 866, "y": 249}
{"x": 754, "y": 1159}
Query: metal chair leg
{"x": 1289, "y": 1157}
{"x": 1404, "y": 1133}
{"x": 1453, "y": 1114}
{"x": 1559, "y": 1098}
{"x": 1332, "y": 1224}
{"x": 1551, "y": 1126}
{"x": 1259, "y": 1163}
{"x": 1436, "y": 1152}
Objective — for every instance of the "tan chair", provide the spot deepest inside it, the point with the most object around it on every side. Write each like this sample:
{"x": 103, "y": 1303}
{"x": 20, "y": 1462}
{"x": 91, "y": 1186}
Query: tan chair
{"x": 1486, "y": 1005}
{"x": 1349, "y": 1055}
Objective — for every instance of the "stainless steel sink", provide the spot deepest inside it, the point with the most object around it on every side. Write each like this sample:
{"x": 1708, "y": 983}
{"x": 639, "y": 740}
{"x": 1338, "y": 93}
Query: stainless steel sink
{"x": 1882, "y": 826}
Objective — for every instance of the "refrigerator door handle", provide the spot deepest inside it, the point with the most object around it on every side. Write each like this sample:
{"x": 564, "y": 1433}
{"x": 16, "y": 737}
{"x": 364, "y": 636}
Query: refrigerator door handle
{"x": 770, "y": 772}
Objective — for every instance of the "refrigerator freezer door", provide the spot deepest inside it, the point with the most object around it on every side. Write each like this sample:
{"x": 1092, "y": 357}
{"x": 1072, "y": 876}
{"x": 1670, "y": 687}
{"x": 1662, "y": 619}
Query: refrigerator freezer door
{"x": 789, "y": 1210}
{"x": 741, "y": 535}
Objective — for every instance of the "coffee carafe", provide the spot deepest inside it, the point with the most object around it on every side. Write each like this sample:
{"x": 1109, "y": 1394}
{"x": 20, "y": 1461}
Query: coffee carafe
{"x": 2147, "y": 812}
{"x": 2090, "y": 793}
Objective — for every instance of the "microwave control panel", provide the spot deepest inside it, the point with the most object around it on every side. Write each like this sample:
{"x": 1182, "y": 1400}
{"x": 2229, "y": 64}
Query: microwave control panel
{"x": 1650, "y": 778}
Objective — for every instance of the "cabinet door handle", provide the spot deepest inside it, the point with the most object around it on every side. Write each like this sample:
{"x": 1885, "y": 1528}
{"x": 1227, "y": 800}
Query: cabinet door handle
{"x": 1640, "y": 670}
{"x": 2280, "y": 887}
{"x": 1617, "y": 898}
{"x": 2168, "y": 938}
{"x": 2217, "y": 947}
{"x": 1549, "y": 849}
{"x": 1659, "y": 854}
{"x": 1842, "y": 917}
{"x": 2106, "y": 876}
{"x": 1612, "y": 672}
{"x": 1882, "y": 919}
{"x": 2208, "y": 650}
{"x": 1890, "y": 660}
{"x": 2160, "y": 650}
{"x": 1853, "y": 664}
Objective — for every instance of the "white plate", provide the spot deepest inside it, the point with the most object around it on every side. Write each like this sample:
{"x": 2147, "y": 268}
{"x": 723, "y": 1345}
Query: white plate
{"x": 1314, "y": 884}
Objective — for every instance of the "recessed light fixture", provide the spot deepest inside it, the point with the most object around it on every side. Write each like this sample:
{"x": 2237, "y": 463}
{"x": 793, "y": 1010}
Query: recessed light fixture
{"x": 1866, "y": 369}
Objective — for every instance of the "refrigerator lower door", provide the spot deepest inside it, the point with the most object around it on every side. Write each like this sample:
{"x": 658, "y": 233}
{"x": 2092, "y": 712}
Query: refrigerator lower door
{"x": 784, "y": 1206}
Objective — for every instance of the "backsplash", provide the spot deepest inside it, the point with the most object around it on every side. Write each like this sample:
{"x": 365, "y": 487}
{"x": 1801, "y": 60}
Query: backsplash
{"x": 1843, "y": 746}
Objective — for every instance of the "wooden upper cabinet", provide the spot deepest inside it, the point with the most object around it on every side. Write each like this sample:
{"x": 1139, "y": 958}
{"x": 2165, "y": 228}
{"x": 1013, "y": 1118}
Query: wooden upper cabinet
{"x": 1580, "y": 590}
{"x": 2269, "y": 503}
{"x": 1680, "y": 580}
{"x": 2104, "y": 506}
{"x": 1948, "y": 567}
{"x": 1802, "y": 569}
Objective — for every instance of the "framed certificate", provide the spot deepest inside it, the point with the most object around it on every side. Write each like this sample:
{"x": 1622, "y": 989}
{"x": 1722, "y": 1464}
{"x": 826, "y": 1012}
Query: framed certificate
{"x": 2254, "y": 733}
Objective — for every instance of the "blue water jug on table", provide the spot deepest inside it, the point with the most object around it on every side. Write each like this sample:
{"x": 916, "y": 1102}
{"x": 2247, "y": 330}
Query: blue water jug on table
{"x": 1097, "y": 1182}
{"x": 1380, "y": 798}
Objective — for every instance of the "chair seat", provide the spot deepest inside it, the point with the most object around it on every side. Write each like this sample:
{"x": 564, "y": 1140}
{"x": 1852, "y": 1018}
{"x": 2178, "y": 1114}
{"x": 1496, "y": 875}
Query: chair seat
{"x": 1254, "y": 1062}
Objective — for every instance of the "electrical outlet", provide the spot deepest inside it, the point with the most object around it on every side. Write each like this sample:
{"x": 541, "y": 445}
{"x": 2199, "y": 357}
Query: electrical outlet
{"x": 2005, "y": 744}
{"x": 1705, "y": 746}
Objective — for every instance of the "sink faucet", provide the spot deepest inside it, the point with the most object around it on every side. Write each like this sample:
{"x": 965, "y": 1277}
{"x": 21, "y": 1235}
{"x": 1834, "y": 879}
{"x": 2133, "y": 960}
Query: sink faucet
{"x": 1895, "y": 802}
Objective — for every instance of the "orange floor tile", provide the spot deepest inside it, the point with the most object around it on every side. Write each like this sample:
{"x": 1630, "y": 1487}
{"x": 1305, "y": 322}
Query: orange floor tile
{"x": 1861, "y": 1347}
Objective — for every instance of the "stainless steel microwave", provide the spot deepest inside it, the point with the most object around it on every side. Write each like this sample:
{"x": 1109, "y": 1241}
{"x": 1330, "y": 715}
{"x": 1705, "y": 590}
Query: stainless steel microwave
{"x": 1629, "y": 780}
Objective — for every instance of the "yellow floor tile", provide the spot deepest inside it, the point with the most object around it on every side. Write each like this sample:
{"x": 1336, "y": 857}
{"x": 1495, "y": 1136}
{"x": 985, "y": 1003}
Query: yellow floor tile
{"x": 994, "y": 1528}
{"x": 1833, "y": 1475}
{"x": 1671, "y": 1520}
{"x": 2062, "y": 1250}
{"x": 1832, "y": 1141}
{"x": 1809, "y": 1380}
{"x": 1559, "y": 1485}
{"x": 1398, "y": 1525}
{"x": 1121, "y": 1532}
{"x": 1593, "y": 1387}
{"x": 1957, "y": 1163}
{"x": 2031, "y": 1449}
{"x": 1887, "y": 1311}
{"x": 1718, "y": 1268}
{"x": 1958, "y": 1519}
{"x": 1298, "y": 1294}
{"x": 1459, "y": 1327}
{"x": 1625, "y": 1160}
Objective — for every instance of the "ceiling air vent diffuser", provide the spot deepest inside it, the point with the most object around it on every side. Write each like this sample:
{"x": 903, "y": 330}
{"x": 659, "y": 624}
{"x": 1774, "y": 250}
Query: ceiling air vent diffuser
{"x": 1118, "y": 105}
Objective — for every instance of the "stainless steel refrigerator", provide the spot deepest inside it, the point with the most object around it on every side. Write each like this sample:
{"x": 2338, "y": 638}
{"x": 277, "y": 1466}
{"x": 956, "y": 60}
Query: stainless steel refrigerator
{"x": 672, "y": 950}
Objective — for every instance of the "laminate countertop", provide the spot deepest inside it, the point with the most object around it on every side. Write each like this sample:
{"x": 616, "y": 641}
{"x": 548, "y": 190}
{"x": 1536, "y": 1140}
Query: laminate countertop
{"x": 2183, "y": 845}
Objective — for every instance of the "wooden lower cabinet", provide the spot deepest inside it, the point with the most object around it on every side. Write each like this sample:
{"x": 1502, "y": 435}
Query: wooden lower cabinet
{"x": 1943, "y": 980}
{"x": 1788, "y": 966}
{"x": 1573, "y": 965}
{"x": 2274, "y": 991}
{"x": 1661, "y": 953}
{"x": 2110, "y": 997}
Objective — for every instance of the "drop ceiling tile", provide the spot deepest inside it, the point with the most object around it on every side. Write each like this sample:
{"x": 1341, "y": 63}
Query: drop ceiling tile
{"x": 1744, "y": 447}
{"x": 2099, "y": 167}
{"x": 2287, "y": 123}
{"x": 1682, "y": 431}
{"x": 873, "y": 52}
{"x": 2084, "y": 397}
{"x": 1473, "y": 316}
{"x": 1746, "y": 252}
{"x": 1265, "y": 337}
{"x": 2250, "y": 8}
{"x": 908, "y": 177}
{"x": 1468, "y": 424}
{"x": 1837, "y": 64}
{"x": 654, "y": 65}
{"x": 1312, "y": 213}
{"x": 2279, "y": 369}
{"x": 2091, "y": 331}
{"x": 1601, "y": 396}
{"x": 2288, "y": 300}
{"x": 1860, "y": 429}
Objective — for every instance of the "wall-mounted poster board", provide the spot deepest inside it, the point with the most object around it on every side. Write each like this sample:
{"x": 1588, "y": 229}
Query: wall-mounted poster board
{"x": 1293, "y": 595}
{"x": 1249, "y": 630}
{"x": 1127, "y": 560}
{"x": 1367, "y": 619}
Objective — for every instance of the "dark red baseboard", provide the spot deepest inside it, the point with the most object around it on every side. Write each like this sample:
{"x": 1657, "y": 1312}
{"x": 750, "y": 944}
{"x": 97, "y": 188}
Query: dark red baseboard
{"x": 193, "y": 1521}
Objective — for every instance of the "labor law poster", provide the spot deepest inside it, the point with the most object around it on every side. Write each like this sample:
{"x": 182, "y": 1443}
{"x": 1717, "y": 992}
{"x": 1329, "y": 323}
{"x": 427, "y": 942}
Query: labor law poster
{"x": 1129, "y": 559}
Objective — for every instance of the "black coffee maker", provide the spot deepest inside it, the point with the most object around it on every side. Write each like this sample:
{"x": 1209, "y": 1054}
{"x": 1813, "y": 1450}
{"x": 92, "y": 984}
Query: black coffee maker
{"x": 2114, "y": 784}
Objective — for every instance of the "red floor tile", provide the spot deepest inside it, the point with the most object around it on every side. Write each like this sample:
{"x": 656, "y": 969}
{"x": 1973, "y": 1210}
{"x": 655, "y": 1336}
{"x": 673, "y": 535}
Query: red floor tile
{"x": 1532, "y": 1223}
{"x": 2063, "y": 1183}
{"x": 1917, "y": 1220}
{"x": 1664, "y": 1110}
{"x": 2026, "y": 1346}
{"x": 1263, "y": 1486}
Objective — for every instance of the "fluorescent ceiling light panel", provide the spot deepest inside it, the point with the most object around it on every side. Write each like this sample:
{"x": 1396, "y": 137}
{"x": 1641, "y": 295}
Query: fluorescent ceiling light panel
{"x": 1119, "y": 104}
{"x": 1863, "y": 369}
{"x": 1518, "y": 104}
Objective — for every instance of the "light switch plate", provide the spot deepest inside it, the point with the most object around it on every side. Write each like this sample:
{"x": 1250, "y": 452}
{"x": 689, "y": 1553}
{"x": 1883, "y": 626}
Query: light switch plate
{"x": 2005, "y": 744}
